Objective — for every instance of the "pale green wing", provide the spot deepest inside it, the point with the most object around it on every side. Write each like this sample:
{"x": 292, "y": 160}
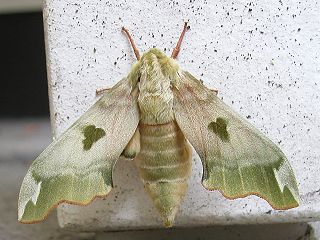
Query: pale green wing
{"x": 78, "y": 166}
{"x": 237, "y": 159}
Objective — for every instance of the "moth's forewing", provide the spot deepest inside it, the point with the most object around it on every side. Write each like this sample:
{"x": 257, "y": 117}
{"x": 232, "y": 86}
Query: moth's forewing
{"x": 238, "y": 160}
{"x": 78, "y": 166}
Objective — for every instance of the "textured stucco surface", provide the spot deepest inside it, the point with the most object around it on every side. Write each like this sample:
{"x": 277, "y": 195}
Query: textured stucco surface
{"x": 261, "y": 56}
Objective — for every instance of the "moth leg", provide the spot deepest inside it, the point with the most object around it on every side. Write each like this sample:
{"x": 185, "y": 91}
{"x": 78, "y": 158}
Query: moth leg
{"x": 215, "y": 91}
{"x": 135, "y": 49}
{"x": 176, "y": 50}
{"x": 101, "y": 90}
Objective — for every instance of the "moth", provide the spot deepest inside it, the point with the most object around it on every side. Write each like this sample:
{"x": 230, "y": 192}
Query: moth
{"x": 152, "y": 116}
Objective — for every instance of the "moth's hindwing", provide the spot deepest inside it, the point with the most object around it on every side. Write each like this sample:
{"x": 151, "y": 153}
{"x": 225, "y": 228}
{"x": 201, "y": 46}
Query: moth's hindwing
{"x": 133, "y": 147}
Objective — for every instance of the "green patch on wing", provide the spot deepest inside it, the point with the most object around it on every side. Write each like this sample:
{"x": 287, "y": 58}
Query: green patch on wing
{"x": 219, "y": 127}
{"x": 80, "y": 190}
{"x": 235, "y": 182}
{"x": 92, "y": 135}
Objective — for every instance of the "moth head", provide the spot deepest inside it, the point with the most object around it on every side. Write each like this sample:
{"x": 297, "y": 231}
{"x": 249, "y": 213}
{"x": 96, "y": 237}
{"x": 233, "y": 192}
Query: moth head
{"x": 154, "y": 65}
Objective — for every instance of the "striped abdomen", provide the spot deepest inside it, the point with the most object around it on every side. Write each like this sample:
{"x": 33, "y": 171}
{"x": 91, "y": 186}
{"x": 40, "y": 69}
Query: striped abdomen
{"x": 164, "y": 163}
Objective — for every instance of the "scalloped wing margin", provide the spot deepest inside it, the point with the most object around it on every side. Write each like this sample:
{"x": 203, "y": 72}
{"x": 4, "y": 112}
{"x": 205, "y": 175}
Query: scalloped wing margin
{"x": 237, "y": 159}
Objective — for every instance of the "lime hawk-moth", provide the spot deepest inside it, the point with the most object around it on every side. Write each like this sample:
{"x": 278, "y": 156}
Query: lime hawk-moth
{"x": 152, "y": 116}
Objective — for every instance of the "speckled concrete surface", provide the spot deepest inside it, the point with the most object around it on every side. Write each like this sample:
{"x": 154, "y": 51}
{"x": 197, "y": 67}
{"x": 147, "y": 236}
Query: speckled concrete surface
{"x": 263, "y": 58}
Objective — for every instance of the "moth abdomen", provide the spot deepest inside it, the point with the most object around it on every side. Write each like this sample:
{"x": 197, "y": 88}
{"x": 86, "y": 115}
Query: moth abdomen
{"x": 164, "y": 164}
{"x": 164, "y": 155}
{"x": 167, "y": 197}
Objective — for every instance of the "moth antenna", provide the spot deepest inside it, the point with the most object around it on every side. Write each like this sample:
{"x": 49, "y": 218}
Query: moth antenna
{"x": 176, "y": 50}
{"x": 135, "y": 49}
